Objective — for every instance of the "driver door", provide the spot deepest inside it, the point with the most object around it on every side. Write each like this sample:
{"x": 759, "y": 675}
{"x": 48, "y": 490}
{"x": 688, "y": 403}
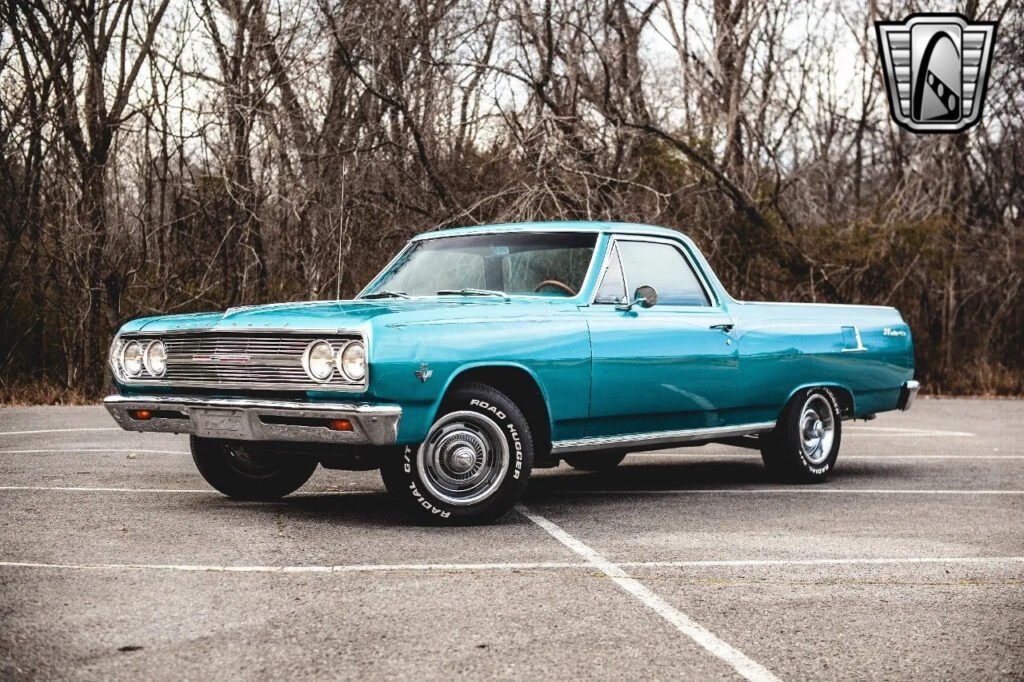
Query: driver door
{"x": 662, "y": 368}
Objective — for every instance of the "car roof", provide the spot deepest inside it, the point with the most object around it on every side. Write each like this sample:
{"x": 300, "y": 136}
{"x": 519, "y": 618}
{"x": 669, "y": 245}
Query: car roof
{"x": 557, "y": 226}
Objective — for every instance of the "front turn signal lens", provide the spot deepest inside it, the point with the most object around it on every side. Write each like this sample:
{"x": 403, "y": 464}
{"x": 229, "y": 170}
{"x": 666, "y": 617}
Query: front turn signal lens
{"x": 339, "y": 425}
{"x": 141, "y": 415}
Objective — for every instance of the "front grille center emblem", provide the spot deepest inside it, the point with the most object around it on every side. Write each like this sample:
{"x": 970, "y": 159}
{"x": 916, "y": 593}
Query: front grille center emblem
{"x": 230, "y": 358}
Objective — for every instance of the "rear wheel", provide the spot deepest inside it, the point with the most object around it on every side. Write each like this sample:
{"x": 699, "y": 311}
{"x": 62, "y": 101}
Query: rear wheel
{"x": 473, "y": 465}
{"x": 805, "y": 443}
{"x": 595, "y": 461}
{"x": 242, "y": 472}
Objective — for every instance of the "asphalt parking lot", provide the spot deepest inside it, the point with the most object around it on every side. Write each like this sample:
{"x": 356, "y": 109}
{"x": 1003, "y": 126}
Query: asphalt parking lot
{"x": 117, "y": 562}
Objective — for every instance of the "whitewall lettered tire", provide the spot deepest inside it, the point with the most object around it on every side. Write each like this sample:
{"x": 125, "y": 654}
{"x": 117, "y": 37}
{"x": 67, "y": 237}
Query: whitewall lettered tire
{"x": 805, "y": 443}
{"x": 474, "y": 464}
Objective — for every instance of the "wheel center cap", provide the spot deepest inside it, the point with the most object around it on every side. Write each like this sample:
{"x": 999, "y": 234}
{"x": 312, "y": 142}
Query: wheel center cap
{"x": 462, "y": 460}
{"x": 818, "y": 429}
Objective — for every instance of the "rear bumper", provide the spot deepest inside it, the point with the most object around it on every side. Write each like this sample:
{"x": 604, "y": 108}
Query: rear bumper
{"x": 907, "y": 394}
{"x": 257, "y": 420}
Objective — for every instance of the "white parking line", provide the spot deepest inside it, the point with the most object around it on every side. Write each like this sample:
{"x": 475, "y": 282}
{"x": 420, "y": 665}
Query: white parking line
{"x": 520, "y": 566}
{"x": 659, "y": 453}
{"x": 710, "y": 563}
{"x": 83, "y": 489}
{"x": 793, "y": 491}
{"x": 22, "y": 433}
{"x": 104, "y": 450}
{"x": 906, "y": 430}
{"x": 356, "y": 568}
{"x": 843, "y": 458}
{"x": 191, "y": 491}
{"x": 745, "y": 666}
{"x": 911, "y": 434}
{"x": 686, "y": 491}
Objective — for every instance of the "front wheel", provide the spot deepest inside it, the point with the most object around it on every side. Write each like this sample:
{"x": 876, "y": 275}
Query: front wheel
{"x": 473, "y": 465}
{"x": 805, "y": 443}
{"x": 243, "y": 472}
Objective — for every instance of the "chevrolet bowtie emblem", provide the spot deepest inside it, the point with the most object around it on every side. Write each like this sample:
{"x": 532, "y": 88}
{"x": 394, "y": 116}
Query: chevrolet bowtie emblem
{"x": 234, "y": 358}
{"x": 936, "y": 70}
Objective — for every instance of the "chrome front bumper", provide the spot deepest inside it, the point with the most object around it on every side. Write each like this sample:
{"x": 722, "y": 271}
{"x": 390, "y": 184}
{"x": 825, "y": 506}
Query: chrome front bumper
{"x": 907, "y": 394}
{"x": 257, "y": 420}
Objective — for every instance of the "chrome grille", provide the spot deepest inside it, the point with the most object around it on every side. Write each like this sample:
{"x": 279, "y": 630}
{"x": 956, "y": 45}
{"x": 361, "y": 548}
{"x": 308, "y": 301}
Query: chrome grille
{"x": 240, "y": 360}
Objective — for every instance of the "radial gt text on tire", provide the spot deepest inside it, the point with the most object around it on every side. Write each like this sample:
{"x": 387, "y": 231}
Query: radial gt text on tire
{"x": 473, "y": 465}
{"x": 244, "y": 473}
{"x": 805, "y": 443}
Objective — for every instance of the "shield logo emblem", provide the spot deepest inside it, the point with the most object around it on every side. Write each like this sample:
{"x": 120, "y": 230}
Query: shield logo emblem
{"x": 936, "y": 68}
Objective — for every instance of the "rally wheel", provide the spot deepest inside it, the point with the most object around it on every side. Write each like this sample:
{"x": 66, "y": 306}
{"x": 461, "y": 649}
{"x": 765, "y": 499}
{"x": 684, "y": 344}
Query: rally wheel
{"x": 804, "y": 445}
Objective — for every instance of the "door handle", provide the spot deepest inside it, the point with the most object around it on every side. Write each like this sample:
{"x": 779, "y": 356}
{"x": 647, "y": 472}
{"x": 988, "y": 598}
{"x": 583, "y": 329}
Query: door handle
{"x": 724, "y": 327}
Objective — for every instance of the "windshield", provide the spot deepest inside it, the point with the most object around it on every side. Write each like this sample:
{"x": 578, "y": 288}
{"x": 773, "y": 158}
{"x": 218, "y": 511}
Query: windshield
{"x": 542, "y": 264}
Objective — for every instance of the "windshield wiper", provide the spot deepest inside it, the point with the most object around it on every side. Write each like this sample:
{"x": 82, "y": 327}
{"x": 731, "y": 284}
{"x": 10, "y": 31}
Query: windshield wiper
{"x": 473, "y": 292}
{"x": 386, "y": 294}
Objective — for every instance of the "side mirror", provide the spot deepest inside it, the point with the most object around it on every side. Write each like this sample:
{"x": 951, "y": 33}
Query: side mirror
{"x": 645, "y": 295}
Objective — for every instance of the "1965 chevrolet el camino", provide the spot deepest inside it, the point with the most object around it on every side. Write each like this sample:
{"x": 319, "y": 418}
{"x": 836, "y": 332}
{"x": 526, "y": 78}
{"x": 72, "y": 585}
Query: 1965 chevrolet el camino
{"x": 481, "y": 353}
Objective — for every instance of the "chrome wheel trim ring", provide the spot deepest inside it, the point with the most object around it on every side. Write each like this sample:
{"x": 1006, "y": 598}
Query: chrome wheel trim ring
{"x": 464, "y": 458}
{"x": 817, "y": 429}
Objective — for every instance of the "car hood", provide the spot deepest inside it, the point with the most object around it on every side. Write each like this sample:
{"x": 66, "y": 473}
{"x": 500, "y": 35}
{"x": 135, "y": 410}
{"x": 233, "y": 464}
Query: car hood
{"x": 330, "y": 316}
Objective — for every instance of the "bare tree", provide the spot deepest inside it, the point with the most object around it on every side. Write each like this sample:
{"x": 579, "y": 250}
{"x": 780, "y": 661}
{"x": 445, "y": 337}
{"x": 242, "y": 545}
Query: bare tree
{"x": 160, "y": 157}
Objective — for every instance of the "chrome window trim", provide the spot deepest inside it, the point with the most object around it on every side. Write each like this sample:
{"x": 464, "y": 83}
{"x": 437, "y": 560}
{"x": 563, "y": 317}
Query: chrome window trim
{"x": 411, "y": 242}
{"x": 612, "y": 247}
{"x": 713, "y": 299}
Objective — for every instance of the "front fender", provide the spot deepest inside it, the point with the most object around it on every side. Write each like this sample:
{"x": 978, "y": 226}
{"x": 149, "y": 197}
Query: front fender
{"x": 414, "y": 365}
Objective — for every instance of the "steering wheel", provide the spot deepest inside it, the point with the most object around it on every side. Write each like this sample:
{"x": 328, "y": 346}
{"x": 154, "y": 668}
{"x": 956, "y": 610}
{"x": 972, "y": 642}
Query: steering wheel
{"x": 555, "y": 283}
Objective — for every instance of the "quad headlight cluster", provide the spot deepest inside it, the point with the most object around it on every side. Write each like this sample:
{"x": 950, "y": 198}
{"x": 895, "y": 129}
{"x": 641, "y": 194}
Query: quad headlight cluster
{"x": 135, "y": 358}
{"x": 342, "y": 360}
{"x": 321, "y": 359}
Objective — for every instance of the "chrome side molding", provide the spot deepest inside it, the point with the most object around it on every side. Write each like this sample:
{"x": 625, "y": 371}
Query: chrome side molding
{"x": 658, "y": 439}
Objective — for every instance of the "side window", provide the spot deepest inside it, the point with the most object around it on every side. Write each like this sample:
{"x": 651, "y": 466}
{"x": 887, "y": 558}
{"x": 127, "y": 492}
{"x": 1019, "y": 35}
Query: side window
{"x": 613, "y": 286}
{"x": 663, "y": 267}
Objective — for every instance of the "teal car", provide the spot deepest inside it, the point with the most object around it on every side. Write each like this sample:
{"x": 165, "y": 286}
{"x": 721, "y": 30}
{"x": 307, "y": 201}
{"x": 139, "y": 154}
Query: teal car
{"x": 481, "y": 353}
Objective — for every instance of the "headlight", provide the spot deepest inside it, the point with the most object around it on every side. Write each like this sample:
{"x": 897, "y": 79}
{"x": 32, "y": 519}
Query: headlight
{"x": 131, "y": 359}
{"x": 318, "y": 361}
{"x": 353, "y": 361}
{"x": 115, "y": 357}
{"x": 155, "y": 359}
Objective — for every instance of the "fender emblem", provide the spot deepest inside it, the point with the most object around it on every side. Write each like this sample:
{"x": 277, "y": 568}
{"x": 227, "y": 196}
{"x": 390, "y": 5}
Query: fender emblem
{"x": 424, "y": 372}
